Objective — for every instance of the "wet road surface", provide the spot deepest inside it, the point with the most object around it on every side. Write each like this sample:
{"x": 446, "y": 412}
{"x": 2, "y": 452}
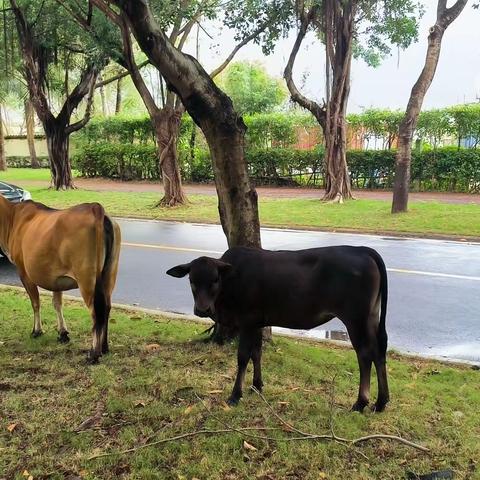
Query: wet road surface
{"x": 434, "y": 285}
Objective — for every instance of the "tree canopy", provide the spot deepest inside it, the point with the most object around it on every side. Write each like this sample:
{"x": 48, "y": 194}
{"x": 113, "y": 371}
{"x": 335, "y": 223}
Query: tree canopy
{"x": 251, "y": 88}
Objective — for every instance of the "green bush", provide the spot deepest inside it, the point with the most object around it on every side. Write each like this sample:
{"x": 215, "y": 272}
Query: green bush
{"x": 125, "y": 162}
{"x": 447, "y": 168}
{"x": 25, "y": 162}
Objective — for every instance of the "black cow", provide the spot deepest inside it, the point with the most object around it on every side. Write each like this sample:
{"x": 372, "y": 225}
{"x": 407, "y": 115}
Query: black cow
{"x": 303, "y": 289}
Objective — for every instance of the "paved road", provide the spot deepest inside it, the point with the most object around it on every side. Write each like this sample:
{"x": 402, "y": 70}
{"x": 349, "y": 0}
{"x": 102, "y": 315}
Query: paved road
{"x": 434, "y": 304}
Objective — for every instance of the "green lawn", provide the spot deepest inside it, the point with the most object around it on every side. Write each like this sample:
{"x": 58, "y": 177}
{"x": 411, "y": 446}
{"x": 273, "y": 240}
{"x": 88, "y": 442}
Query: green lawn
{"x": 146, "y": 390}
{"x": 424, "y": 218}
{"x": 25, "y": 174}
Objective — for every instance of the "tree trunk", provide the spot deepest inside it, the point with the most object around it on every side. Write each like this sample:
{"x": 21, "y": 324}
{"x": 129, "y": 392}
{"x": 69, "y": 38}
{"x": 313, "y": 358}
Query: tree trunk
{"x": 213, "y": 112}
{"x": 445, "y": 16}
{"x": 30, "y": 124}
{"x": 338, "y": 44}
{"x": 103, "y": 99}
{"x": 166, "y": 125}
{"x": 337, "y": 179}
{"x": 3, "y": 155}
{"x": 118, "y": 98}
{"x": 58, "y": 147}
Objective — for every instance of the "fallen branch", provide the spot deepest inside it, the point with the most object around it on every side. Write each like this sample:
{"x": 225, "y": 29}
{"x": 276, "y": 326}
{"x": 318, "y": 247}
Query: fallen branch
{"x": 177, "y": 437}
{"x": 390, "y": 437}
{"x": 334, "y": 437}
{"x": 244, "y": 431}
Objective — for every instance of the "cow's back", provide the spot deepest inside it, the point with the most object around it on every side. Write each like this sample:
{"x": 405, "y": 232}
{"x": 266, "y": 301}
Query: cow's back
{"x": 308, "y": 285}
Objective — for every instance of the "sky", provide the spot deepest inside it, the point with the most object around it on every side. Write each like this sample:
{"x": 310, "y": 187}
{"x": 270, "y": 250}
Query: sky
{"x": 457, "y": 79}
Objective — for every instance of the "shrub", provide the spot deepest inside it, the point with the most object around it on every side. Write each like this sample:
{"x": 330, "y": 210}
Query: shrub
{"x": 125, "y": 162}
{"x": 447, "y": 168}
{"x": 25, "y": 162}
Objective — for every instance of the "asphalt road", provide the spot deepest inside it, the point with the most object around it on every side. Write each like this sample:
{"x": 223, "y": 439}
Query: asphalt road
{"x": 434, "y": 301}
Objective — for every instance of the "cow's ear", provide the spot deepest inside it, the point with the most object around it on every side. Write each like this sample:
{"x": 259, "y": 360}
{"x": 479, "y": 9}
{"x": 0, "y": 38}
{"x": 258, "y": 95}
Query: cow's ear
{"x": 179, "y": 271}
{"x": 223, "y": 267}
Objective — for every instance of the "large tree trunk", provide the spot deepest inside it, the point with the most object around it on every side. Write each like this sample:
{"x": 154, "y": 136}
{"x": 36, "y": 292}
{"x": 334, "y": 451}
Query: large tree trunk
{"x": 3, "y": 155}
{"x": 339, "y": 21}
{"x": 445, "y": 16}
{"x": 58, "y": 147}
{"x": 167, "y": 125}
{"x": 213, "y": 112}
{"x": 30, "y": 124}
{"x": 57, "y": 128}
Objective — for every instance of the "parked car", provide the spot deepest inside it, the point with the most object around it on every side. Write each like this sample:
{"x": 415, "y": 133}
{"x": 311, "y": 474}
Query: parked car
{"x": 14, "y": 194}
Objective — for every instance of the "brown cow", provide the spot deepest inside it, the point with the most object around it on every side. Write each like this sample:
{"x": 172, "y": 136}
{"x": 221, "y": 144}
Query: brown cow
{"x": 61, "y": 250}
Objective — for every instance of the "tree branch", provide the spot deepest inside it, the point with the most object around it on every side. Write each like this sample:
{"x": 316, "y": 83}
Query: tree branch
{"x": 108, "y": 11}
{"x": 136, "y": 76}
{"x": 244, "y": 42}
{"x": 453, "y": 12}
{"x": 317, "y": 110}
{"x": 78, "y": 18}
{"x": 34, "y": 65}
{"x": 83, "y": 88}
{"x": 88, "y": 111}
{"x": 120, "y": 75}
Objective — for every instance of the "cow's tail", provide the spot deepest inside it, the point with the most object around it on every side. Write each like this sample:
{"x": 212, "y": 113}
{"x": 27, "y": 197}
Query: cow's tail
{"x": 104, "y": 247}
{"x": 382, "y": 331}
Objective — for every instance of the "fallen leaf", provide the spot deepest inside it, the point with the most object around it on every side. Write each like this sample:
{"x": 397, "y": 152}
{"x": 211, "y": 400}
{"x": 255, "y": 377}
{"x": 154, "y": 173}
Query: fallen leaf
{"x": 248, "y": 446}
{"x": 283, "y": 403}
{"x": 226, "y": 407}
{"x": 26, "y": 473}
{"x": 188, "y": 410}
{"x": 139, "y": 403}
{"x": 12, "y": 427}
{"x": 212, "y": 392}
{"x": 30, "y": 477}
{"x": 322, "y": 475}
{"x": 152, "y": 347}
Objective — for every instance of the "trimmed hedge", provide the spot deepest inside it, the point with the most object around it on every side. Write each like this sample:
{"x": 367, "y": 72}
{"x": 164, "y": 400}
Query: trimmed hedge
{"x": 25, "y": 162}
{"x": 122, "y": 161}
{"x": 447, "y": 168}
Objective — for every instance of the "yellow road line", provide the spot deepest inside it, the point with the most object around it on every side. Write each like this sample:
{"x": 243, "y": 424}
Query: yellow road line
{"x": 167, "y": 247}
{"x": 214, "y": 252}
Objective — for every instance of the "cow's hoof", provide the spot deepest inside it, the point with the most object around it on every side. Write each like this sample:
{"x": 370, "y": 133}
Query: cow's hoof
{"x": 379, "y": 406}
{"x": 37, "y": 333}
{"x": 258, "y": 387}
{"x": 92, "y": 358}
{"x": 105, "y": 350}
{"x": 233, "y": 401}
{"x": 359, "y": 406}
{"x": 63, "y": 337}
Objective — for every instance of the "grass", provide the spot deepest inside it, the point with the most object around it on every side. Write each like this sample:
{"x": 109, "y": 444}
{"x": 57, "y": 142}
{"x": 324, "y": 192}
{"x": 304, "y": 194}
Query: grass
{"x": 424, "y": 218}
{"x": 145, "y": 391}
{"x": 25, "y": 174}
